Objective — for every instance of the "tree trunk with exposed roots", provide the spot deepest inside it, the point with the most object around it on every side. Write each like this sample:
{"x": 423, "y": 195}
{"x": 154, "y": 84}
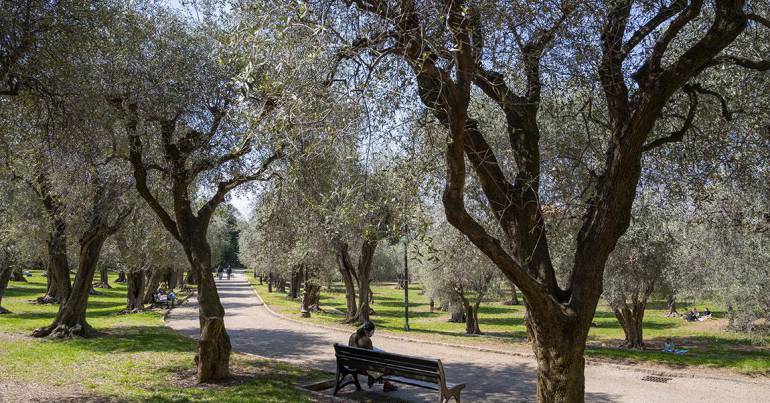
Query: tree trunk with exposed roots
{"x": 103, "y": 278}
{"x": 631, "y": 317}
{"x": 71, "y": 319}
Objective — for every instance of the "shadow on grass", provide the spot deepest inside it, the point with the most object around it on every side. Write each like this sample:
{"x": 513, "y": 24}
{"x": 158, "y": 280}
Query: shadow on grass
{"x": 754, "y": 361}
{"x": 131, "y": 339}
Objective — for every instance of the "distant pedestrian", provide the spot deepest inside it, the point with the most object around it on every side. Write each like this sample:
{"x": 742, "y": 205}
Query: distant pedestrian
{"x": 229, "y": 272}
{"x": 220, "y": 271}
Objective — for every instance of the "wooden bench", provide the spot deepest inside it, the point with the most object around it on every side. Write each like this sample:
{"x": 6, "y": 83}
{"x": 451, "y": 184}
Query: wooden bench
{"x": 415, "y": 371}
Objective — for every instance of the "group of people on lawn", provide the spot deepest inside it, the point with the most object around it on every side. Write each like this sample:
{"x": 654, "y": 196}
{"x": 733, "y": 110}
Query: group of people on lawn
{"x": 693, "y": 315}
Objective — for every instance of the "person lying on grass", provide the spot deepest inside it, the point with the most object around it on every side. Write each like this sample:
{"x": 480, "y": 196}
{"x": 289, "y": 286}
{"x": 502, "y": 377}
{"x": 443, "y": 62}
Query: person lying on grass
{"x": 362, "y": 338}
{"x": 669, "y": 347}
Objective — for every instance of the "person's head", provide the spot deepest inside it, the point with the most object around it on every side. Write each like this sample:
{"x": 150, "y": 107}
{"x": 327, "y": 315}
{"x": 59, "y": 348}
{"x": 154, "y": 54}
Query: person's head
{"x": 366, "y": 329}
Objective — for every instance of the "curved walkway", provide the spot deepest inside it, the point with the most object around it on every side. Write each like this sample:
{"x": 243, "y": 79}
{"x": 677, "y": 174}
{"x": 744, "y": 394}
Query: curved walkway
{"x": 491, "y": 377}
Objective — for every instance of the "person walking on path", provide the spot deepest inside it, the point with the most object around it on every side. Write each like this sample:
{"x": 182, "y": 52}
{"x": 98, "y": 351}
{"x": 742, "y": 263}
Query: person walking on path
{"x": 229, "y": 272}
{"x": 220, "y": 270}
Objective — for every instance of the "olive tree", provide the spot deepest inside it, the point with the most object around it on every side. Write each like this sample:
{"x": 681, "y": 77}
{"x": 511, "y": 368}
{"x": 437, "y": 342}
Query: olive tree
{"x": 639, "y": 55}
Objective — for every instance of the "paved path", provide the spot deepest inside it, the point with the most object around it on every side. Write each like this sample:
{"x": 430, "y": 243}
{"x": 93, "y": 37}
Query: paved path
{"x": 490, "y": 377}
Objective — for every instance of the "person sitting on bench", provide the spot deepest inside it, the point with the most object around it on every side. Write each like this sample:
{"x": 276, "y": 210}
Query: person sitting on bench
{"x": 362, "y": 338}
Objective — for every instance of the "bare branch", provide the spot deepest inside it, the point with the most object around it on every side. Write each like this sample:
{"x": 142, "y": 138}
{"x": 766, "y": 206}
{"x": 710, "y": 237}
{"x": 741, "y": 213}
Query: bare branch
{"x": 759, "y": 65}
{"x": 225, "y": 186}
{"x": 759, "y": 19}
{"x": 652, "y": 24}
{"x": 140, "y": 170}
{"x": 678, "y": 135}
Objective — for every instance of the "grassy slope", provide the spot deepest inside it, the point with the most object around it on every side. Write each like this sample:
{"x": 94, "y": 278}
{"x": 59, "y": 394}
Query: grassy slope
{"x": 137, "y": 358}
{"x": 504, "y": 328}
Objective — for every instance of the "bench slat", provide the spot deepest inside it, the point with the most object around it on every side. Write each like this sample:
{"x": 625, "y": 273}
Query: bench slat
{"x": 413, "y": 382}
{"x": 369, "y": 365}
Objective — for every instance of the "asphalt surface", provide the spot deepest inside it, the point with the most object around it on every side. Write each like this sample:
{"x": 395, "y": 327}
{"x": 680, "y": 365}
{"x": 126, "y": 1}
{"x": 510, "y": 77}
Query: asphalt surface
{"x": 490, "y": 377}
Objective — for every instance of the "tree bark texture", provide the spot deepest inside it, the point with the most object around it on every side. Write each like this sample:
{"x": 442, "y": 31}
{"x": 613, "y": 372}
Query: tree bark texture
{"x": 213, "y": 356}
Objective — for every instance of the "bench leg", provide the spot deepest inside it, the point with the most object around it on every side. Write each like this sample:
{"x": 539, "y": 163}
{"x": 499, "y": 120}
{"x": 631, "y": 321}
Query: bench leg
{"x": 337, "y": 381}
{"x": 444, "y": 395}
{"x": 355, "y": 380}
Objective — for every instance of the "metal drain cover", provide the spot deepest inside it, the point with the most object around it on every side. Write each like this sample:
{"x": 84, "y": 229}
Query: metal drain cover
{"x": 658, "y": 379}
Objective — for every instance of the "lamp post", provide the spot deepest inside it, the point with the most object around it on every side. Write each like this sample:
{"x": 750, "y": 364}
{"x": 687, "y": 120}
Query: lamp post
{"x": 405, "y": 240}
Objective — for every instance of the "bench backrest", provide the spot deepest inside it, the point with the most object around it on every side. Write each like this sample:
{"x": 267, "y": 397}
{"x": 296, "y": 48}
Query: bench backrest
{"x": 389, "y": 363}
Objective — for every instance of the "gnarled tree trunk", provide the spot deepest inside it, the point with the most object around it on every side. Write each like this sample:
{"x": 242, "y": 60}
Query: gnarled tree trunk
{"x": 631, "y": 317}
{"x": 154, "y": 277}
{"x": 280, "y": 284}
{"x": 295, "y": 282}
{"x": 17, "y": 274}
{"x": 311, "y": 296}
{"x": 103, "y": 278}
{"x": 514, "y": 297}
{"x": 346, "y": 270}
{"x": 71, "y": 319}
{"x": 455, "y": 308}
{"x": 59, "y": 285}
{"x": 135, "y": 282}
{"x": 364, "y": 277}
{"x": 471, "y": 315}
{"x": 5, "y": 276}
{"x": 213, "y": 355}
{"x": 559, "y": 348}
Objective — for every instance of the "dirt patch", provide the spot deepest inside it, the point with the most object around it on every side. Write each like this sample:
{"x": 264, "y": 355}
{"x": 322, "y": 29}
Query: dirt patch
{"x": 15, "y": 336}
{"x": 11, "y": 391}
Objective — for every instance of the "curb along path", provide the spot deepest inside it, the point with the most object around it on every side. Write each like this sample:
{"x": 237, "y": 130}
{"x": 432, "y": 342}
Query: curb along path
{"x": 490, "y": 375}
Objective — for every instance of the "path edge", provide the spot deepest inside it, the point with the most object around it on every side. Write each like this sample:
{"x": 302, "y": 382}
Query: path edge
{"x": 592, "y": 361}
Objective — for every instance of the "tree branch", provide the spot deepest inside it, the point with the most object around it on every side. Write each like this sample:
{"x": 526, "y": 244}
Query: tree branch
{"x": 759, "y": 19}
{"x": 225, "y": 186}
{"x": 678, "y": 135}
{"x": 140, "y": 171}
{"x": 652, "y": 24}
{"x": 759, "y": 65}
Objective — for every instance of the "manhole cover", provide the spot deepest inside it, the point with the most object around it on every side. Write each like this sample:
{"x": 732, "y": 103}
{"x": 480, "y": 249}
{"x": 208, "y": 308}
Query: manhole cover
{"x": 658, "y": 379}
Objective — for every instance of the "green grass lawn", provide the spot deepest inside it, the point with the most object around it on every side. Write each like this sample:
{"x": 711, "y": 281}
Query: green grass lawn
{"x": 503, "y": 327}
{"x": 136, "y": 359}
